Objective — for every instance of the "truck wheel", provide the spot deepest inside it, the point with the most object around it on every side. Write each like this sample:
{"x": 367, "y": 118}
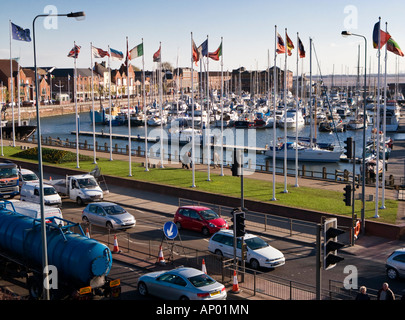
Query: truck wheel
{"x": 79, "y": 201}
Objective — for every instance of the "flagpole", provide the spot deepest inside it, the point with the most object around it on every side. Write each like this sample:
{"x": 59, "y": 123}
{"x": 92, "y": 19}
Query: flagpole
{"x": 145, "y": 111}
{"x": 274, "y": 113}
{"x": 192, "y": 115}
{"x": 12, "y": 89}
{"x": 378, "y": 123}
{"x": 161, "y": 106}
{"x": 92, "y": 104}
{"x": 208, "y": 137}
{"x": 384, "y": 127}
{"x": 296, "y": 120}
{"x": 129, "y": 118}
{"x": 77, "y": 122}
{"x": 222, "y": 109}
{"x": 285, "y": 113}
{"x": 110, "y": 111}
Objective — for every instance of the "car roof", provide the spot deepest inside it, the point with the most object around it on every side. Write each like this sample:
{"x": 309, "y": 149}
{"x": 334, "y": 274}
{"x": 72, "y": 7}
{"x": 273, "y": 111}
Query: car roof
{"x": 104, "y": 203}
{"x": 401, "y": 250}
{"x": 186, "y": 272}
{"x": 198, "y": 208}
{"x": 26, "y": 171}
{"x": 230, "y": 233}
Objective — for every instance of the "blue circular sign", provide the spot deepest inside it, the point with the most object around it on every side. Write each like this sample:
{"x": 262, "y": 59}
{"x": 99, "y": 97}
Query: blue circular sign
{"x": 170, "y": 230}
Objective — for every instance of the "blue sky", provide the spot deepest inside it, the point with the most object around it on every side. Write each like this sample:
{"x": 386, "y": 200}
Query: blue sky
{"x": 247, "y": 28}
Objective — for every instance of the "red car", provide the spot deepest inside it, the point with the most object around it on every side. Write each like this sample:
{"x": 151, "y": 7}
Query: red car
{"x": 200, "y": 219}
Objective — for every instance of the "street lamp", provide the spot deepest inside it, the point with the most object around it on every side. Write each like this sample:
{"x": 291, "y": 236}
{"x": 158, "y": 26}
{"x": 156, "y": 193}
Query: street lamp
{"x": 79, "y": 16}
{"x": 363, "y": 175}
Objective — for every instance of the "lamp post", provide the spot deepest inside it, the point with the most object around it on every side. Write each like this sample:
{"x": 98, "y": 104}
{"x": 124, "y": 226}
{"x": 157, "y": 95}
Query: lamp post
{"x": 363, "y": 175}
{"x": 76, "y": 15}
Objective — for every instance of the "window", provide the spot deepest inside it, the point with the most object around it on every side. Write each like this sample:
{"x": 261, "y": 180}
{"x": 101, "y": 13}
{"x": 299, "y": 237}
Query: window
{"x": 184, "y": 212}
{"x": 201, "y": 280}
{"x": 93, "y": 208}
{"x": 400, "y": 258}
{"x": 194, "y": 215}
{"x": 209, "y": 214}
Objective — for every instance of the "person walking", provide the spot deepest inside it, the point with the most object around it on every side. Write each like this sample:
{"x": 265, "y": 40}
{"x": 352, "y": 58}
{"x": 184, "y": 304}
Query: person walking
{"x": 385, "y": 293}
{"x": 362, "y": 295}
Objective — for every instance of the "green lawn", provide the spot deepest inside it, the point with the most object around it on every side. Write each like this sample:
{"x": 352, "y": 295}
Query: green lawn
{"x": 302, "y": 197}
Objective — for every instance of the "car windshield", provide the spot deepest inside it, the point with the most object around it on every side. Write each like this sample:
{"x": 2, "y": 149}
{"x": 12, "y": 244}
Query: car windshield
{"x": 209, "y": 214}
{"x": 201, "y": 280}
{"x": 111, "y": 210}
{"x": 49, "y": 191}
{"x": 30, "y": 177}
{"x": 256, "y": 243}
{"x": 87, "y": 183}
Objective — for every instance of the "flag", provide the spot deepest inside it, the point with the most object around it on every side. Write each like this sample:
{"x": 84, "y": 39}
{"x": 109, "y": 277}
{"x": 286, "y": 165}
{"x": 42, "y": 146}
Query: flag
{"x": 301, "y": 50}
{"x": 136, "y": 52}
{"x": 290, "y": 45}
{"x": 19, "y": 33}
{"x": 203, "y": 49}
{"x": 196, "y": 54}
{"x": 215, "y": 55}
{"x": 99, "y": 53}
{"x": 156, "y": 56}
{"x": 116, "y": 55}
{"x": 74, "y": 53}
{"x": 280, "y": 44}
{"x": 383, "y": 36}
{"x": 394, "y": 47}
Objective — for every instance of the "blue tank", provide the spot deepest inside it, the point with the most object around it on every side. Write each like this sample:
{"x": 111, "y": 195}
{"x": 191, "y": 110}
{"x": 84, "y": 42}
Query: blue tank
{"x": 77, "y": 258}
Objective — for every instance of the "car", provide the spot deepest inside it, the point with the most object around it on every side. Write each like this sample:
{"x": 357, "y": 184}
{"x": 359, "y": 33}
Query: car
{"x": 395, "y": 264}
{"x": 200, "y": 219}
{"x": 182, "y": 283}
{"x": 26, "y": 175}
{"x": 259, "y": 252}
{"x": 109, "y": 215}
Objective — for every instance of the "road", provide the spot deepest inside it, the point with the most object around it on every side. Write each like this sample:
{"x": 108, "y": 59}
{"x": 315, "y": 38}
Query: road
{"x": 152, "y": 211}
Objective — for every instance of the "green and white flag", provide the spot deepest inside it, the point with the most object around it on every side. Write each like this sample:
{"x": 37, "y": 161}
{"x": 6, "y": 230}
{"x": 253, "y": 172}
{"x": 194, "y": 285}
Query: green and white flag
{"x": 136, "y": 52}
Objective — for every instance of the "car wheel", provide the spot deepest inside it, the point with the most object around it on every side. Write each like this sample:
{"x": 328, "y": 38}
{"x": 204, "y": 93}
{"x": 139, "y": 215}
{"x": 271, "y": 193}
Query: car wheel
{"x": 205, "y": 232}
{"x": 254, "y": 264}
{"x": 142, "y": 289}
{"x": 184, "y": 298}
{"x": 109, "y": 225}
{"x": 79, "y": 201}
{"x": 219, "y": 253}
{"x": 85, "y": 220}
{"x": 392, "y": 273}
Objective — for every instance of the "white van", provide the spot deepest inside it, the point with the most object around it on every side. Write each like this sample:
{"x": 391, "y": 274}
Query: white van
{"x": 33, "y": 210}
{"x": 30, "y": 192}
{"x": 26, "y": 175}
{"x": 259, "y": 252}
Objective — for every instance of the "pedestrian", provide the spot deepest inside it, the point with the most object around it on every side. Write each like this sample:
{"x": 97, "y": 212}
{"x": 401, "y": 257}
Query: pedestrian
{"x": 185, "y": 161}
{"x": 362, "y": 295}
{"x": 385, "y": 293}
{"x": 190, "y": 160}
{"x": 216, "y": 160}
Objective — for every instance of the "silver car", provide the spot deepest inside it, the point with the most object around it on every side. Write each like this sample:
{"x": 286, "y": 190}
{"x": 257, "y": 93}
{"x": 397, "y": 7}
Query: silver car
{"x": 109, "y": 215}
{"x": 395, "y": 264}
{"x": 181, "y": 284}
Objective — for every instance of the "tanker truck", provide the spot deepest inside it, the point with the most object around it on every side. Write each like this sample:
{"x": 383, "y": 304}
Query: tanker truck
{"x": 82, "y": 264}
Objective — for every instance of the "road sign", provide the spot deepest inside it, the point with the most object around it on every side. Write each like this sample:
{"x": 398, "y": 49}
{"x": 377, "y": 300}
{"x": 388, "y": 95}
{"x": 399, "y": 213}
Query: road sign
{"x": 170, "y": 230}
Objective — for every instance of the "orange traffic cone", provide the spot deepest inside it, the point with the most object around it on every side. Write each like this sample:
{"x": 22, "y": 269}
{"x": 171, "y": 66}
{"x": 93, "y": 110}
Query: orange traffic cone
{"x": 116, "y": 249}
{"x": 235, "y": 287}
{"x": 161, "y": 259}
{"x": 204, "y": 268}
{"x": 50, "y": 178}
{"x": 87, "y": 233}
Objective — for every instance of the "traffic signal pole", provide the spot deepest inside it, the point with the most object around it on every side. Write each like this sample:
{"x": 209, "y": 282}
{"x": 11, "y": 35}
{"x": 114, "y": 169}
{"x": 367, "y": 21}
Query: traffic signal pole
{"x": 354, "y": 191}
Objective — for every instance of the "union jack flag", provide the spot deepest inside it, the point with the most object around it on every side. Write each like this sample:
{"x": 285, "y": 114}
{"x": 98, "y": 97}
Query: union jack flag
{"x": 74, "y": 53}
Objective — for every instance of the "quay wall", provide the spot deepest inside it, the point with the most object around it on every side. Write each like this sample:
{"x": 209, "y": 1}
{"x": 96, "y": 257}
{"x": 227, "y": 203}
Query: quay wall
{"x": 384, "y": 230}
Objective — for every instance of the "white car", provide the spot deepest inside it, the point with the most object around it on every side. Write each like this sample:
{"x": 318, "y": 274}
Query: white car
{"x": 259, "y": 252}
{"x": 26, "y": 175}
{"x": 395, "y": 264}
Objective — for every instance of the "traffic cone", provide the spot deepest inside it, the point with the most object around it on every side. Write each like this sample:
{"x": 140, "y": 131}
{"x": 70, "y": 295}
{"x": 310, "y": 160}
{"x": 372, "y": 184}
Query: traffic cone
{"x": 235, "y": 287}
{"x": 116, "y": 249}
{"x": 161, "y": 259}
{"x": 87, "y": 233}
{"x": 204, "y": 268}
{"x": 50, "y": 178}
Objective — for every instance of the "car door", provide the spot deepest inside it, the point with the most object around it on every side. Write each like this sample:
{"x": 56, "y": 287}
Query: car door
{"x": 196, "y": 222}
{"x": 184, "y": 218}
{"x": 399, "y": 261}
{"x": 169, "y": 286}
{"x": 227, "y": 246}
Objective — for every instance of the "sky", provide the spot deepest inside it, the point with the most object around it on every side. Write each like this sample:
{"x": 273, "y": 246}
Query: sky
{"x": 247, "y": 29}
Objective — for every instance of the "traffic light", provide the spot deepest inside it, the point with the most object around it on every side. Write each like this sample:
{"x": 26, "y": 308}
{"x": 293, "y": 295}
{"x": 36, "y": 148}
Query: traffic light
{"x": 349, "y": 148}
{"x": 238, "y": 219}
{"x": 235, "y": 164}
{"x": 348, "y": 195}
{"x": 330, "y": 243}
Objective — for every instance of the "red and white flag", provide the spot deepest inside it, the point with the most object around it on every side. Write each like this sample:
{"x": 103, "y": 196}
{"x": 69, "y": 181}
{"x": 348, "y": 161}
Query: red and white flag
{"x": 99, "y": 53}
